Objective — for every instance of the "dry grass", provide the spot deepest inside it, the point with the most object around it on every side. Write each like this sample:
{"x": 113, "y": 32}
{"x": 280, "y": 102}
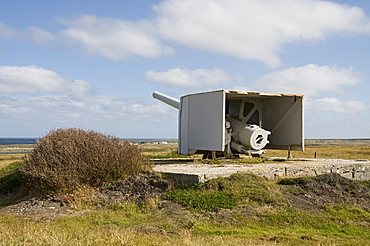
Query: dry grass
{"x": 28, "y": 232}
{"x": 5, "y": 163}
{"x": 16, "y": 146}
{"x": 158, "y": 150}
{"x": 11, "y": 156}
{"x": 329, "y": 151}
{"x": 333, "y": 149}
{"x": 6, "y": 159}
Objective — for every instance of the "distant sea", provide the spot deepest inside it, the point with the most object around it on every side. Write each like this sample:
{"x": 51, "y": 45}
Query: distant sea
{"x": 13, "y": 141}
{"x": 10, "y": 141}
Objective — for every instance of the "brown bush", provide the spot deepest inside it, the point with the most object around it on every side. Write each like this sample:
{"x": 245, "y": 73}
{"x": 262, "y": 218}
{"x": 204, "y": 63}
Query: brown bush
{"x": 67, "y": 158}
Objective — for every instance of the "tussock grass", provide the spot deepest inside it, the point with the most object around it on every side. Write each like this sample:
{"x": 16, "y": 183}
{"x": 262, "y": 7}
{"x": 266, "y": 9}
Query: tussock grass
{"x": 66, "y": 159}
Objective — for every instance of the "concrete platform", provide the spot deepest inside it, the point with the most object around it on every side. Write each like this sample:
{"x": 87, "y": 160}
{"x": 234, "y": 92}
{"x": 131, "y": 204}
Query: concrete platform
{"x": 193, "y": 173}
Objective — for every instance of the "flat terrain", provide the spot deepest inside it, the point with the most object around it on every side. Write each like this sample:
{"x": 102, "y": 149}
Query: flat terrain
{"x": 332, "y": 149}
{"x": 239, "y": 210}
{"x": 341, "y": 149}
{"x": 6, "y": 159}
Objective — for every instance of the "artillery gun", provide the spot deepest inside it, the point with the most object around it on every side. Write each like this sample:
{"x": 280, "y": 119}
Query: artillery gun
{"x": 228, "y": 123}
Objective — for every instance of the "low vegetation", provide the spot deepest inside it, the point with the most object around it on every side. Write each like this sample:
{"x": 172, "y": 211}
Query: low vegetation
{"x": 7, "y": 159}
{"x": 326, "y": 152}
{"x": 202, "y": 199}
{"x": 10, "y": 177}
{"x": 68, "y": 158}
{"x": 12, "y": 187}
{"x": 334, "y": 149}
{"x": 243, "y": 209}
{"x": 160, "y": 151}
{"x": 240, "y": 210}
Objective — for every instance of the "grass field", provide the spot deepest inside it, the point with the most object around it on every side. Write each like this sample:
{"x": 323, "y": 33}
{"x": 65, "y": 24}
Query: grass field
{"x": 6, "y": 159}
{"x": 329, "y": 151}
{"x": 345, "y": 149}
{"x": 241, "y": 210}
{"x": 334, "y": 149}
{"x": 132, "y": 225}
{"x": 257, "y": 211}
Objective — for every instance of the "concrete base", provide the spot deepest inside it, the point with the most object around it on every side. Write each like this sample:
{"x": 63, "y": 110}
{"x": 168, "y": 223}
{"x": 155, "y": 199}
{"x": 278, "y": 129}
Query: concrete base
{"x": 183, "y": 174}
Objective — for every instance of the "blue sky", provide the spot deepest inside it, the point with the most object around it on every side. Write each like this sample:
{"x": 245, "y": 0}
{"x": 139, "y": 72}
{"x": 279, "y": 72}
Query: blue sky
{"x": 94, "y": 64}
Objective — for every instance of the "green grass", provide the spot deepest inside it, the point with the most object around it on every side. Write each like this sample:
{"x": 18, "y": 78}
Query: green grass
{"x": 132, "y": 225}
{"x": 125, "y": 215}
{"x": 11, "y": 168}
{"x": 295, "y": 226}
{"x": 10, "y": 177}
{"x": 227, "y": 193}
{"x": 262, "y": 211}
{"x": 348, "y": 212}
{"x": 247, "y": 188}
{"x": 12, "y": 188}
{"x": 207, "y": 200}
{"x": 366, "y": 183}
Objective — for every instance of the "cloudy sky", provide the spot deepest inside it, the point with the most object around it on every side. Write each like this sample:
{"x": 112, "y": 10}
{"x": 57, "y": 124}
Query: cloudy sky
{"x": 94, "y": 64}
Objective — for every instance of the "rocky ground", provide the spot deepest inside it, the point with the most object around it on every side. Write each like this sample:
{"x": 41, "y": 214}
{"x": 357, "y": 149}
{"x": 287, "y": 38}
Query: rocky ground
{"x": 133, "y": 189}
{"x": 327, "y": 189}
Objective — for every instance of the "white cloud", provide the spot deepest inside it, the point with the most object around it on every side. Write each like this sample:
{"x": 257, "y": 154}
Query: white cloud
{"x": 255, "y": 29}
{"x": 313, "y": 81}
{"x": 85, "y": 110}
{"x": 183, "y": 77}
{"x": 113, "y": 38}
{"x": 6, "y": 31}
{"x": 247, "y": 29}
{"x": 33, "y": 80}
{"x": 37, "y": 97}
{"x": 35, "y": 115}
{"x": 309, "y": 80}
{"x": 334, "y": 104}
{"x": 40, "y": 35}
{"x": 33, "y": 33}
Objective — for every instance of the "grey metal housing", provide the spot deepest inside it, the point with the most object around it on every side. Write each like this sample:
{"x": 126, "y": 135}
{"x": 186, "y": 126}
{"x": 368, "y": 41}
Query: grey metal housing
{"x": 202, "y": 118}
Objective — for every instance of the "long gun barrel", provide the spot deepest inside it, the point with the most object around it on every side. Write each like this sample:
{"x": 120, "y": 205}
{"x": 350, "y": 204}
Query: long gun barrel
{"x": 167, "y": 99}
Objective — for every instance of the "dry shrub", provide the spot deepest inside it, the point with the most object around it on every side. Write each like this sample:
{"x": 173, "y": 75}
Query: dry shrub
{"x": 67, "y": 158}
